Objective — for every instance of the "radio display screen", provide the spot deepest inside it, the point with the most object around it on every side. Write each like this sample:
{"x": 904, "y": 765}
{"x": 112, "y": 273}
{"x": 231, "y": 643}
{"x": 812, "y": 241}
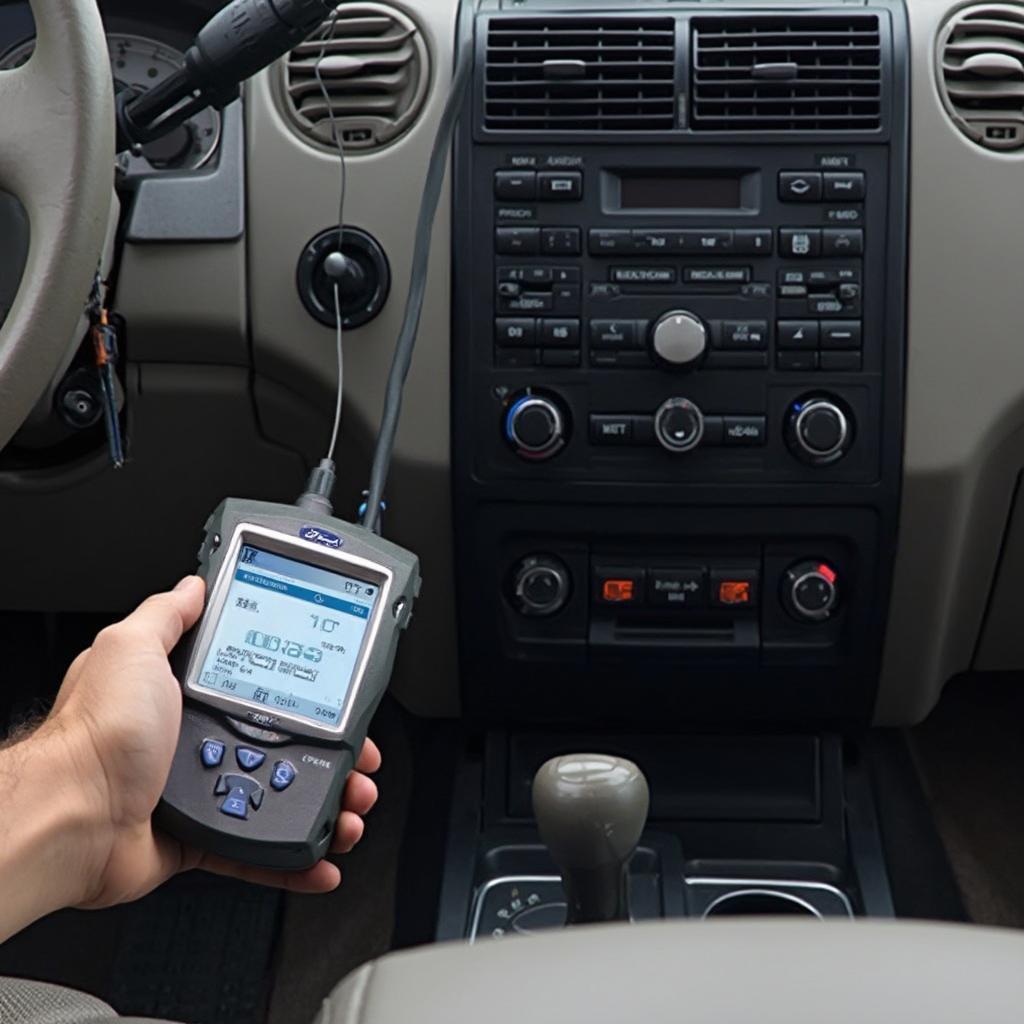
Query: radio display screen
{"x": 289, "y": 636}
{"x": 680, "y": 191}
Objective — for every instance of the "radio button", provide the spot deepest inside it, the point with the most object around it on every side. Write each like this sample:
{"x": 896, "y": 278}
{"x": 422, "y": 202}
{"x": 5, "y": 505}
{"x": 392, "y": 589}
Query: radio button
{"x": 740, "y": 335}
{"x": 798, "y": 334}
{"x": 526, "y": 275}
{"x": 824, "y": 305}
{"x": 614, "y": 334}
{"x": 602, "y": 241}
{"x": 800, "y": 186}
{"x": 745, "y": 431}
{"x": 566, "y": 275}
{"x": 619, "y": 586}
{"x": 560, "y": 241}
{"x": 560, "y": 333}
{"x": 517, "y": 358}
{"x": 679, "y": 425}
{"x": 654, "y": 243}
{"x": 515, "y": 185}
{"x": 716, "y": 275}
{"x": 754, "y": 242}
{"x": 563, "y": 357}
{"x": 517, "y": 241}
{"x": 848, "y": 185}
{"x": 564, "y": 186}
{"x": 530, "y": 302}
{"x": 516, "y": 332}
{"x": 677, "y": 588}
{"x": 734, "y": 588}
{"x": 841, "y": 334}
{"x": 611, "y": 430}
{"x": 800, "y": 242}
{"x": 842, "y": 242}
{"x": 736, "y": 361}
{"x": 797, "y": 361}
{"x": 707, "y": 241}
{"x": 842, "y": 362}
{"x": 644, "y": 275}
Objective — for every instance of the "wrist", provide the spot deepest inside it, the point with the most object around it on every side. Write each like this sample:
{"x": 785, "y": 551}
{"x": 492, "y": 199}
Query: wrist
{"x": 59, "y": 834}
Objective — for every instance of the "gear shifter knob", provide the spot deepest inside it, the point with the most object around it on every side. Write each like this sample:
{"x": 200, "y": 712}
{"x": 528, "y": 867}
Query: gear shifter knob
{"x": 591, "y": 810}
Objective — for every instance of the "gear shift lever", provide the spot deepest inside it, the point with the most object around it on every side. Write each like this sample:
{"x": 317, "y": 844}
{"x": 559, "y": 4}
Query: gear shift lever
{"x": 591, "y": 810}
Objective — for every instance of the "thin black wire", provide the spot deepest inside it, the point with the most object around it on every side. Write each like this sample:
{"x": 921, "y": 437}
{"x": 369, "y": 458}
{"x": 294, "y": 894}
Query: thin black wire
{"x": 339, "y": 145}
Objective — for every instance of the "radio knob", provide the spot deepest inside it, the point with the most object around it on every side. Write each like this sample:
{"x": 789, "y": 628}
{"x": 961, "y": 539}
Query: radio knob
{"x": 819, "y": 431}
{"x": 679, "y": 338}
{"x": 541, "y": 586}
{"x": 810, "y": 591}
{"x": 535, "y": 427}
{"x": 679, "y": 425}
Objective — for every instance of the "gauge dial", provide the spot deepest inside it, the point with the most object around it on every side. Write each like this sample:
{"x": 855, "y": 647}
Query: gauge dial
{"x": 139, "y": 63}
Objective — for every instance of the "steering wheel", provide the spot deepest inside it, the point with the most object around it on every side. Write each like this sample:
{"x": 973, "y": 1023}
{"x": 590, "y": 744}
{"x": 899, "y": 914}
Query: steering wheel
{"x": 57, "y": 157}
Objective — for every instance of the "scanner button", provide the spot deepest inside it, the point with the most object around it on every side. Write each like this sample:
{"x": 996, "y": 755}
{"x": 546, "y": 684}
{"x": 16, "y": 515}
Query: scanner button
{"x": 248, "y": 759}
{"x": 283, "y": 775}
{"x": 236, "y": 805}
{"x": 211, "y": 753}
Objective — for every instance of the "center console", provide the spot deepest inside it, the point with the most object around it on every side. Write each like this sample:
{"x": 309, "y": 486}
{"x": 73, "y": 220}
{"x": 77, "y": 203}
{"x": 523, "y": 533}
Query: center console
{"x": 679, "y": 254}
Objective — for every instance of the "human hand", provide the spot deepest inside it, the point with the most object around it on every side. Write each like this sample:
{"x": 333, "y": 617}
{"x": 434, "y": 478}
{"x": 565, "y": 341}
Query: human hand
{"x": 117, "y": 715}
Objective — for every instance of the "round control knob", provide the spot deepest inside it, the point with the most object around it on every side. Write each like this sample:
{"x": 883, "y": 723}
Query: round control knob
{"x": 679, "y": 338}
{"x": 810, "y": 592}
{"x": 679, "y": 425}
{"x": 535, "y": 427}
{"x": 541, "y": 586}
{"x": 819, "y": 431}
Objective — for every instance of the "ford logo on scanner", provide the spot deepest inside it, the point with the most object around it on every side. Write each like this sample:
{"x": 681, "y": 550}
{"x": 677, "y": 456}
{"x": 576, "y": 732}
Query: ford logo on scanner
{"x": 318, "y": 535}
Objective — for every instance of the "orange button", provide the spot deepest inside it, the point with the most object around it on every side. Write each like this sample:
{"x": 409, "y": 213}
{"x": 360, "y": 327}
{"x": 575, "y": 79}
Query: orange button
{"x": 732, "y": 592}
{"x": 618, "y": 591}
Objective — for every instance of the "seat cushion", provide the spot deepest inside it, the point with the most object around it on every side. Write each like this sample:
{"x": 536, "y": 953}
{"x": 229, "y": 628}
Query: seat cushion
{"x": 728, "y": 972}
{"x": 32, "y": 1002}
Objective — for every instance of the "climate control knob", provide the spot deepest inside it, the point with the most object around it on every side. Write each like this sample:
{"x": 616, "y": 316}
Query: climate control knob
{"x": 536, "y": 427}
{"x": 541, "y": 586}
{"x": 819, "y": 431}
{"x": 679, "y": 425}
{"x": 810, "y": 591}
{"x": 679, "y": 338}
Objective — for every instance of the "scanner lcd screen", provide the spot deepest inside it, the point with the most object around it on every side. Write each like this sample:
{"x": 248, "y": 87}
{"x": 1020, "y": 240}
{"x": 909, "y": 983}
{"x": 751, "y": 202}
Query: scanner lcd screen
{"x": 289, "y": 636}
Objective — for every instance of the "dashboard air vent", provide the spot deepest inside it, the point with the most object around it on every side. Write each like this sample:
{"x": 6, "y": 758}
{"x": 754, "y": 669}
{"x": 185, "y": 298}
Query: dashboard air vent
{"x": 791, "y": 73}
{"x": 981, "y": 73}
{"x": 580, "y": 74}
{"x": 375, "y": 70}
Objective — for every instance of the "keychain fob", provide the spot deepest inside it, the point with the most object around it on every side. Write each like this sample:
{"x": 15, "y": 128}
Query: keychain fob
{"x": 280, "y": 679}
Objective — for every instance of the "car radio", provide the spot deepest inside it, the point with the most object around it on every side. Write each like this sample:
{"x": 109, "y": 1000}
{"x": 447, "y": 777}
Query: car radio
{"x": 679, "y": 348}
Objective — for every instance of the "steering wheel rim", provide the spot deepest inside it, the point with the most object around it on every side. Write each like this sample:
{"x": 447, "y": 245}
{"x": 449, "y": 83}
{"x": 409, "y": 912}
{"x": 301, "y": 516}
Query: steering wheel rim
{"x": 57, "y": 157}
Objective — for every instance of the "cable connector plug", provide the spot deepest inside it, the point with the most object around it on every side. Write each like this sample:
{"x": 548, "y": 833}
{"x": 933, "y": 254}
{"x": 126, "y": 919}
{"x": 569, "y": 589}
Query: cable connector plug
{"x": 319, "y": 488}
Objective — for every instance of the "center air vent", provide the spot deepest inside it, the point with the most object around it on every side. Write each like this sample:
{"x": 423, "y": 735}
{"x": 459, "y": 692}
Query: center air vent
{"x": 591, "y": 74}
{"x": 787, "y": 73}
{"x": 374, "y": 69}
{"x": 981, "y": 73}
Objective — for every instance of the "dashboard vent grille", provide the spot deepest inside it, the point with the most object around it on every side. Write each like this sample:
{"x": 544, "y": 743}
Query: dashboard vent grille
{"x": 789, "y": 73}
{"x": 375, "y": 70}
{"x": 981, "y": 73}
{"x": 587, "y": 74}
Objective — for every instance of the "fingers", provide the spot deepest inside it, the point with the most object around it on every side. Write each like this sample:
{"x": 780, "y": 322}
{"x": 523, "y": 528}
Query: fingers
{"x": 360, "y": 794}
{"x": 320, "y": 878}
{"x": 369, "y": 759}
{"x": 348, "y": 833}
{"x": 163, "y": 617}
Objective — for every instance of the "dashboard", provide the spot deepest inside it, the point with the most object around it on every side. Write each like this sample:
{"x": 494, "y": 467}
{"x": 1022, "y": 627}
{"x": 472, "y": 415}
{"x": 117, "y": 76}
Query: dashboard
{"x": 715, "y": 415}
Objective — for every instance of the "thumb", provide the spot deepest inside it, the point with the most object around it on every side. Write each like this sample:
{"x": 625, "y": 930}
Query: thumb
{"x": 168, "y": 616}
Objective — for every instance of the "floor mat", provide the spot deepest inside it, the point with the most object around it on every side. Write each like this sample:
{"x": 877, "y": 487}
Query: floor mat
{"x": 199, "y": 949}
{"x": 970, "y": 753}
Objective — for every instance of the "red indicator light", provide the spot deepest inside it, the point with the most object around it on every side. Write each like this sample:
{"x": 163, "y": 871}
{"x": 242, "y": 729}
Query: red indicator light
{"x": 618, "y": 591}
{"x": 828, "y": 572}
{"x": 734, "y": 592}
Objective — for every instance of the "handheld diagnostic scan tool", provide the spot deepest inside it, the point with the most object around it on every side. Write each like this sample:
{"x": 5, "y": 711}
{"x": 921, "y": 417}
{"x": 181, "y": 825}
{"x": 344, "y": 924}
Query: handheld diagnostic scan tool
{"x": 281, "y": 678}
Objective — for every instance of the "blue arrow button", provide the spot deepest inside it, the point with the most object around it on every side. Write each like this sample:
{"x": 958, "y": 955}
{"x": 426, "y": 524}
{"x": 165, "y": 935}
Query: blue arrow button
{"x": 248, "y": 759}
{"x": 236, "y": 804}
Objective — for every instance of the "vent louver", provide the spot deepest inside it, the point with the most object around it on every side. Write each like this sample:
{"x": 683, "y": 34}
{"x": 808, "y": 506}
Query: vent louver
{"x": 588, "y": 74}
{"x": 981, "y": 73}
{"x": 375, "y": 69}
{"x": 787, "y": 73}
